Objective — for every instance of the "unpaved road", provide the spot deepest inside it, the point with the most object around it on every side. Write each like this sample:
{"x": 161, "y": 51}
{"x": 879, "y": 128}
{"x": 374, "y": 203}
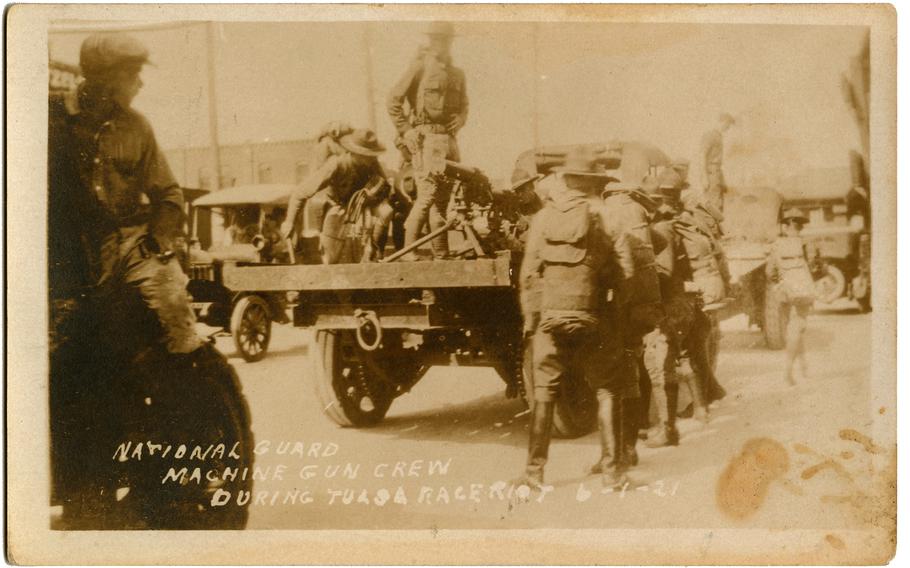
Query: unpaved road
{"x": 443, "y": 456}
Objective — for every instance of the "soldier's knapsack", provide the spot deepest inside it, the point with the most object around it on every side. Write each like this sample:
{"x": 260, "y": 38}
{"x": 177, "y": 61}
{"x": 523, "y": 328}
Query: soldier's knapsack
{"x": 570, "y": 296}
{"x": 706, "y": 273}
{"x": 795, "y": 284}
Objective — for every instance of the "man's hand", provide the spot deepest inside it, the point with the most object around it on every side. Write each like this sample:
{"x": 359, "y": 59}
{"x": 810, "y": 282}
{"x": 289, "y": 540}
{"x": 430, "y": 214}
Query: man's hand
{"x": 455, "y": 124}
{"x": 335, "y": 130}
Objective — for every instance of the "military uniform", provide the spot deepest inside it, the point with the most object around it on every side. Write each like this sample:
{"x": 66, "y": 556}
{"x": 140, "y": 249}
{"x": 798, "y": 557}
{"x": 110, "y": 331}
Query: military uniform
{"x": 713, "y": 154}
{"x": 429, "y": 99}
{"x": 788, "y": 269}
{"x": 583, "y": 265}
{"x": 664, "y": 345}
{"x": 328, "y": 193}
{"x": 707, "y": 221}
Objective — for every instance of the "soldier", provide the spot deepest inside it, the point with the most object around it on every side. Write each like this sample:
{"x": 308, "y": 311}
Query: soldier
{"x": 328, "y": 142}
{"x": 577, "y": 251}
{"x": 663, "y": 346}
{"x": 788, "y": 269}
{"x": 430, "y": 100}
{"x": 114, "y": 213}
{"x": 707, "y": 220}
{"x": 331, "y": 188}
{"x": 518, "y": 203}
{"x": 712, "y": 146}
{"x": 627, "y": 212}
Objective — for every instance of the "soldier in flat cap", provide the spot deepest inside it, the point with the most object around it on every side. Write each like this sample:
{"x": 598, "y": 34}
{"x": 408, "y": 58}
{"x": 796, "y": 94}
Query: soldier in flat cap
{"x": 429, "y": 101}
{"x": 712, "y": 147}
{"x": 114, "y": 212}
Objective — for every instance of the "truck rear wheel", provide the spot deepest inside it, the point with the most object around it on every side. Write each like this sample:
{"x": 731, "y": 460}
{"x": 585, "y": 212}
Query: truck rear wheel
{"x": 355, "y": 388}
{"x": 776, "y": 317}
{"x": 575, "y": 413}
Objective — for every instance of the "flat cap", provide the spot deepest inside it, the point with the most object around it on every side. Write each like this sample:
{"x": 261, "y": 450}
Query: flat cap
{"x": 103, "y": 52}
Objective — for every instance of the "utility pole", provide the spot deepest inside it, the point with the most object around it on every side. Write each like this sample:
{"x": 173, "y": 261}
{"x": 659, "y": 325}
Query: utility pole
{"x": 215, "y": 154}
{"x": 368, "y": 59}
{"x": 535, "y": 111}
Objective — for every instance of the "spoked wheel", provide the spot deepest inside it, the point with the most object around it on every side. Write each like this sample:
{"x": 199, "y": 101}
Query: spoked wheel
{"x": 251, "y": 327}
{"x": 575, "y": 413}
{"x": 831, "y": 285}
{"x": 356, "y": 387}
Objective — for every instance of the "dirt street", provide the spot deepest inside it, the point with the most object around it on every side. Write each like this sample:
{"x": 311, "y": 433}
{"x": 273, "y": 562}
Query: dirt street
{"x": 443, "y": 457}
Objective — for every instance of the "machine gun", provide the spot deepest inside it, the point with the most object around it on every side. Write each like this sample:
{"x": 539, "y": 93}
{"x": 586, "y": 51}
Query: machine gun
{"x": 470, "y": 212}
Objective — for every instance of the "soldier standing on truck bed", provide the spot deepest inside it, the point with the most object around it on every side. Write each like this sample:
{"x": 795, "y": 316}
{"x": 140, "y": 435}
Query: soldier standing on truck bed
{"x": 429, "y": 100}
{"x": 576, "y": 252}
{"x": 712, "y": 148}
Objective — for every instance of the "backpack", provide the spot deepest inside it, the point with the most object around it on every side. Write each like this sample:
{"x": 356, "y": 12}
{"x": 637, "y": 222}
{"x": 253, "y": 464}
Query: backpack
{"x": 706, "y": 273}
{"x": 795, "y": 284}
{"x": 570, "y": 297}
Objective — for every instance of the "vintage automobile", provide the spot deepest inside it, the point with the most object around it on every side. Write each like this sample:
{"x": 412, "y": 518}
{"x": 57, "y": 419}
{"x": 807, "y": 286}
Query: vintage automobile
{"x": 252, "y": 215}
{"x": 837, "y": 238}
{"x": 838, "y": 230}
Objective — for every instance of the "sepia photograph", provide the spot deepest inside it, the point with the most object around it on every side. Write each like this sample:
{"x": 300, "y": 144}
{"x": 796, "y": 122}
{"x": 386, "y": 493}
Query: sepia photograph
{"x": 452, "y": 284}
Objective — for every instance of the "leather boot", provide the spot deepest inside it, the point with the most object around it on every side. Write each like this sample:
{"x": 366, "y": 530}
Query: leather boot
{"x": 657, "y": 436}
{"x": 672, "y": 402}
{"x": 612, "y": 466}
{"x": 631, "y": 420}
{"x": 538, "y": 443}
{"x": 665, "y": 433}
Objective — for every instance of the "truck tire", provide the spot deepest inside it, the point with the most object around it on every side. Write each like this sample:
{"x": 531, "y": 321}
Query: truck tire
{"x": 775, "y": 318}
{"x": 251, "y": 327}
{"x": 831, "y": 285}
{"x": 353, "y": 387}
{"x": 575, "y": 413}
{"x": 200, "y": 403}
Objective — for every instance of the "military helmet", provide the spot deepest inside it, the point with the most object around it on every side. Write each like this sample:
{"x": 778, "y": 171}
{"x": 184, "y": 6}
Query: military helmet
{"x": 362, "y": 142}
{"x": 581, "y": 161}
{"x": 439, "y": 28}
{"x": 681, "y": 167}
{"x": 793, "y": 214}
{"x": 101, "y": 53}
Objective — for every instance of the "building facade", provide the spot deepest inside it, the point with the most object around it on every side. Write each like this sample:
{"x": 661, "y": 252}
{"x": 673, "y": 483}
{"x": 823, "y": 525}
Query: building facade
{"x": 285, "y": 161}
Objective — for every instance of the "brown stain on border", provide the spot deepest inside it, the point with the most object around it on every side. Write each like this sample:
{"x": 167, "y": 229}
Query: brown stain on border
{"x": 743, "y": 485}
